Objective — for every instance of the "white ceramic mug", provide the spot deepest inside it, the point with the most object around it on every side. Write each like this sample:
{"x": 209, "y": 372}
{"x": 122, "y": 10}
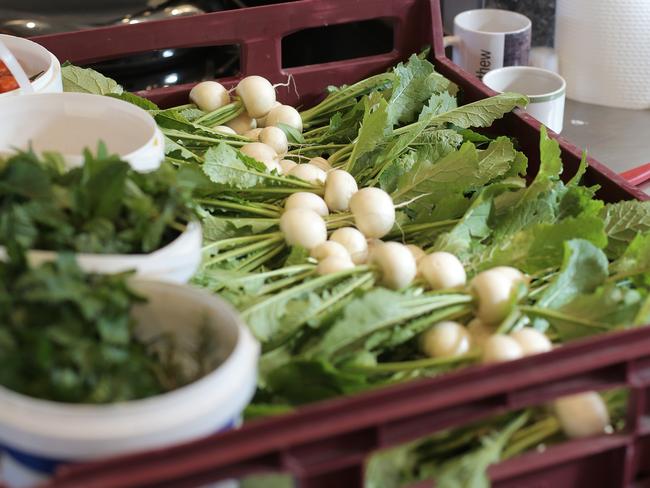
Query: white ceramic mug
{"x": 486, "y": 39}
{"x": 545, "y": 89}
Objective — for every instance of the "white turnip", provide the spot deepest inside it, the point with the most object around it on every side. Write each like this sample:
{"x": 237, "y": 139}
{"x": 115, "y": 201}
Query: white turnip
{"x": 261, "y": 121}
{"x": 253, "y": 134}
{"x": 261, "y": 152}
{"x": 479, "y": 332}
{"x": 287, "y": 165}
{"x": 284, "y": 114}
{"x": 445, "y": 339}
{"x": 442, "y": 270}
{"x": 499, "y": 348}
{"x": 225, "y": 130}
{"x": 321, "y": 163}
{"x": 329, "y": 248}
{"x": 257, "y": 94}
{"x": 334, "y": 264}
{"x": 373, "y": 210}
{"x": 339, "y": 188}
{"x": 311, "y": 201}
{"x": 209, "y": 96}
{"x": 493, "y": 290}
{"x": 242, "y": 123}
{"x": 276, "y": 138}
{"x": 396, "y": 264}
{"x": 582, "y": 415}
{"x": 532, "y": 341}
{"x": 303, "y": 227}
{"x": 309, "y": 172}
{"x": 354, "y": 241}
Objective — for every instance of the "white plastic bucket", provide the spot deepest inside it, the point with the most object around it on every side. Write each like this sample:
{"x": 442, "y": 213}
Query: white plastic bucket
{"x": 68, "y": 123}
{"x": 34, "y": 59}
{"x": 38, "y": 434}
{"x": 176, "y": 262}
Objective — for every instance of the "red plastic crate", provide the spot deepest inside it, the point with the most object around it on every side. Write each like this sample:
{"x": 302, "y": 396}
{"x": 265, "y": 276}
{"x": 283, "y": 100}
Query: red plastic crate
{"x": 326, "y": 444}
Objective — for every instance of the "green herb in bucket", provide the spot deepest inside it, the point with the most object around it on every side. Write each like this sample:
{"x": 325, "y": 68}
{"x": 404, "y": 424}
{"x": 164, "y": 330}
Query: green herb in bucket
{"x": 68, "y": 336}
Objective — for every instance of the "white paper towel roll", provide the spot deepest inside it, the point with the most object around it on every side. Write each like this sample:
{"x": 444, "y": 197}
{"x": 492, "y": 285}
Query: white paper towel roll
{"x": 604, "y": 51}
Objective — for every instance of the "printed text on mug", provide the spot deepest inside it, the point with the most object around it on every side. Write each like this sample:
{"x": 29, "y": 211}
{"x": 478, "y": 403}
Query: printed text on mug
{"x": 485, "y": 63}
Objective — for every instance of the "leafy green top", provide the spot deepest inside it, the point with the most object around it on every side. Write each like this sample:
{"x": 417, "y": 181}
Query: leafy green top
{"x": 101, "y": 207}
{"x": 67, "y": 336}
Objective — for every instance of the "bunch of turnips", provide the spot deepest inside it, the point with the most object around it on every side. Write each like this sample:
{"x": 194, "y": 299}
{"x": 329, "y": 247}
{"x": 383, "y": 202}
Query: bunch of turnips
{"x": 304, "y": 219}
{"x": 383, "y": 235}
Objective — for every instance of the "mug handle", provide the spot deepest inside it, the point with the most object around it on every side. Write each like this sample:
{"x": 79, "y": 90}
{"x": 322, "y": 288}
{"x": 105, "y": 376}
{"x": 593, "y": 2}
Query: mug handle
{"x": 453, "y": 41}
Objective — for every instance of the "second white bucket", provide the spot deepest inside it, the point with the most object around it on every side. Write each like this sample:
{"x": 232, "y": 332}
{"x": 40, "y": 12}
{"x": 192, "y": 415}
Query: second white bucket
{"x": 68, "y": 123}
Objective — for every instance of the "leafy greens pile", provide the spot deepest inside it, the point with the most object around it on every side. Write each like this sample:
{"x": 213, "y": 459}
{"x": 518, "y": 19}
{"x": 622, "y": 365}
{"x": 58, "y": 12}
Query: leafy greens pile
{"x": 67, "y": 336}
{"x": 101, "y": 207}
{"x": 455, "y": 190}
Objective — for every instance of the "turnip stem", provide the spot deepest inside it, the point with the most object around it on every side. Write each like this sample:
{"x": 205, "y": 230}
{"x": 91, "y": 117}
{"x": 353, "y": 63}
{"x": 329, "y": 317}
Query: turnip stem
{"x": 307, "y": 147}
{"x": 312, "y": 189}
{"x": 235, "y": 241}
{"x": 410, "y": 229}
{"x": 531, "y": 436}
{"x": 308, "y": 285}
{"x": 419, "y": 364}
{"x": 288, "y": 270}
{"x": 340, "y": 97}
{"x": 283, "y": 283}
{"x": 554, "y": 314}
{"x": 243, "y": 250}
{"x": 221, "y": 115}
{"x": 259, "y": 259}
{"x": 237, "y": 206}
{"x": 182, "y": 107}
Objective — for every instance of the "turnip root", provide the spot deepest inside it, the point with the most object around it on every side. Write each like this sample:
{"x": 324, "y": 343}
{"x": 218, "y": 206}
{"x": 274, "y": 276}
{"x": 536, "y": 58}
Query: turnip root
{"x": 242, "y": 123}
{"x": 261, "y": 121}
{"x": 224, "y": 129}
{"x": 373, "y": 210}
{"x": 303, "y": 227}
{"x": 354, "y": 241}
{"x": 209, "y": 96}
{"x": 582, "y": 415}
{"x": 309, "y": 172}
{"x": 261, "y": 152}
{"x": 339, "y": 188}
{"x": 276, "y": 138}
{"x": 479, "y": 332}
{"x": 396, "y": 264}
{"x": 287, "y": 165}
{"x": 532, "y": 341}
{"x": 334, "y": 264}
{"x": 253, "y": 134}
{"x": 284, "y": 114}
{"x": 446, "y": 339}
{"x": 257, "y": 94}
{"x": 499, "y": 348}
{"x": 417, "y": 252}
{"x": 442, "y": 270}
{"x": 311, "y": 201}
{"x": 493, "y": 290}
{"x": 329, "y": 248}
{"x": 321, "y": 163}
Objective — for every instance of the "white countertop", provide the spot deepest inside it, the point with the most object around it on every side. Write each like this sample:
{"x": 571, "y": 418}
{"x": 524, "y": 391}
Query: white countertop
{"x": 619, "y": 138}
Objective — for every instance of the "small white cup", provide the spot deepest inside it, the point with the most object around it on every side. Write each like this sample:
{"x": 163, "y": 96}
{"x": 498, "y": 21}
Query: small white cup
{"x": 487, "y": 39}
{"x": 34, "y": 59}
{"x": 545, "y": 89}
